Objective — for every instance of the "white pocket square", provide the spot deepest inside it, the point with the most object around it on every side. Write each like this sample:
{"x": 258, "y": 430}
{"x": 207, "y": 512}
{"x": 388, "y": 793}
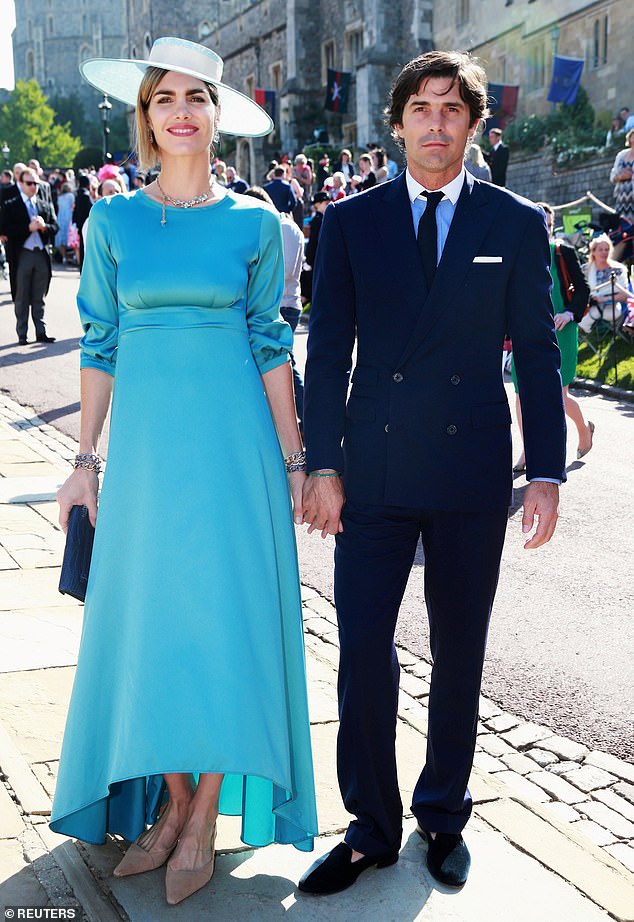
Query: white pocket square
{"x": 487, "y": 259}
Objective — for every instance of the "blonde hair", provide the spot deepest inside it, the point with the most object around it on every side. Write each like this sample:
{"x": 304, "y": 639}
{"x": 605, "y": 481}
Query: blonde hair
{"x": 145, "y": 144}
{"x": 474, "y": 155}
{"x": 602, "y": 238}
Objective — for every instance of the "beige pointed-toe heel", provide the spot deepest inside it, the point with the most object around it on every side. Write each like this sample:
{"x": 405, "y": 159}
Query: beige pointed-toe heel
{"x": 181, "y": 884}
{"x": 138, "y": 860}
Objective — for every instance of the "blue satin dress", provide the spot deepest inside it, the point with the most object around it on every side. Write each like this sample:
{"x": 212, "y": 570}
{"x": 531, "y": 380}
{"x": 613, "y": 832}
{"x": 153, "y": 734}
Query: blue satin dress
{"x": 192, "y": 656}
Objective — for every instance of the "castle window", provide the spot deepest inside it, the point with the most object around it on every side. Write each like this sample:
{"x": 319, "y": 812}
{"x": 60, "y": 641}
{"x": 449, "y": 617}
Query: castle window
{"x": 604, "y": 53}
{"x": 30, "y": 65}
{"x": 29, "y": 30}
{"x": 148, "y": 42}
{"x": 49, "y": 25}
{"x": 353, "y": 48}
{"x": 462, "y": 12}
{"x": 327, "y": 60}
{"x": 276, "y": 76}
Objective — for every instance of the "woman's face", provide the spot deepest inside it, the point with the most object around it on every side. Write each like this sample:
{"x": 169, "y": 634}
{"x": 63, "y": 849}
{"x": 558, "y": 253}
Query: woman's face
{"x": 182, "y": 115}
{"x": 601, "y": 253}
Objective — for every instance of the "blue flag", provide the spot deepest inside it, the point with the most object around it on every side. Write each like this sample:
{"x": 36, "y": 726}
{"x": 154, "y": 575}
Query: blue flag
{"x": 565, "y": 80}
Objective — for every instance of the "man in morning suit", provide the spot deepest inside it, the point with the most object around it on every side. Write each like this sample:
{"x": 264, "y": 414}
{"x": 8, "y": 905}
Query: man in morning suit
{"x": 421, "y": 448}
{"x": 497, "y": 157}
{"x": 29, "y": 223}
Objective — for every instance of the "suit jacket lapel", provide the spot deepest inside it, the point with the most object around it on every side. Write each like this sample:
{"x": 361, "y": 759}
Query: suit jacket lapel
{"x": 393, "y": 217}
{"x": 473, "y": 216}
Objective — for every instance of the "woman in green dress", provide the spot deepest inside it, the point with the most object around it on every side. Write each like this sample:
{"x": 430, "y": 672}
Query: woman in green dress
{"x": 568, "y": 311}
{"x": 190, "y": 695}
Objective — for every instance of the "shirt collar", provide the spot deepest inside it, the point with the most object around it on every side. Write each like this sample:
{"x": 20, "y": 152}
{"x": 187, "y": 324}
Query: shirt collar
{"x": 451, "y": 191}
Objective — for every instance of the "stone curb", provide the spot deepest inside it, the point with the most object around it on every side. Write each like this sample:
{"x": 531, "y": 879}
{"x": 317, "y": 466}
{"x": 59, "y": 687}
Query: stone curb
{"x": 606, "y": 390}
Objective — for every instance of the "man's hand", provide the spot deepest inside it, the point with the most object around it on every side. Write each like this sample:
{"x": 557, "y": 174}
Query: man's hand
{"x": 323, "y": 501}
{"x": 542, "y": 500}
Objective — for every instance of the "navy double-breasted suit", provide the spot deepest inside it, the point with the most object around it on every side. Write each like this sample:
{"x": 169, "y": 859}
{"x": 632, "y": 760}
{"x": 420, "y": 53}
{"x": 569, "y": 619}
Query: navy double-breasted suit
{"x": 421, "y": 433}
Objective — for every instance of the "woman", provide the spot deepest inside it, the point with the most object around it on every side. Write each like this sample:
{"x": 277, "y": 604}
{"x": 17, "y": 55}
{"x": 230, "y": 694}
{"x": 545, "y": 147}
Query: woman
{"x": 368, "y": 178}
{"x": 65, "y": 204}
{"x": 621, "y": 176}
{"x": 191, "y": 661}
{"x": 476, "y": 164}
{"x": 345, "y": 165}
{"x": 598, "y": 271}
{"x": 379, "y": 164}
{"x": 570, "y": 299}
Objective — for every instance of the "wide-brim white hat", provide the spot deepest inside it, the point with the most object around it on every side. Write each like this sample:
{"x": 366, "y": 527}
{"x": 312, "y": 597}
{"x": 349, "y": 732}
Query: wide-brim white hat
{"x": 121, "y": 79}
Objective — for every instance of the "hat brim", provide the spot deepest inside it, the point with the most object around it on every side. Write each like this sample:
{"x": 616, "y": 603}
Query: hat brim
{"x": 121, "y": 79}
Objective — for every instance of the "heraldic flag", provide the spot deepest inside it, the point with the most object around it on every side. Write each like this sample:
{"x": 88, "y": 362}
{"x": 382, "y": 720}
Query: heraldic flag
{"x": 566, "y": 79}
{"x": 502, "y": 105}
{"x": 337, "y": 92}
{"x": 266, "y": 99}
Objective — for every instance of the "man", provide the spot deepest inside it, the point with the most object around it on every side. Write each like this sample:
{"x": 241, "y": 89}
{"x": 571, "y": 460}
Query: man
{"x": 280, "y": 191}
{"x": 426, "y": 447}
{"x": 29, "y": 223}
{"x": 497, "y": 157}
{"x": 9, "y": 189}
{"x": 45, "y": 188}
{"x": 83, "y": 204}
{"x": 320, "y": 202}
{"x": 234, "y": 182}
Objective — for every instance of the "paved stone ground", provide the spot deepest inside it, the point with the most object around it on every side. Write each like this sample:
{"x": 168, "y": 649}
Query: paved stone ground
{"x": 557, "y": 815}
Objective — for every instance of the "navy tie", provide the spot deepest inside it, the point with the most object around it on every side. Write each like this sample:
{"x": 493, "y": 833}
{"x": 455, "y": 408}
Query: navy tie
{"x": 427, "y": 236}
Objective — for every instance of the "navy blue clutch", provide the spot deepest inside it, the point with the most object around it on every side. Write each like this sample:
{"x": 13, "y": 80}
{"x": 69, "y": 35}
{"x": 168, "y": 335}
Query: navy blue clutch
{"x": 77, "y": 553}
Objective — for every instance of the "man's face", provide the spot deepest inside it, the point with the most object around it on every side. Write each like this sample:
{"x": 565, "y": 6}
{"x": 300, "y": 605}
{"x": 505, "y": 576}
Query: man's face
{"x": 231, "y": 174}
{"x": 493, "y": 138}
{"x": 29, "y": 183}
{"x": 435, "y": 129}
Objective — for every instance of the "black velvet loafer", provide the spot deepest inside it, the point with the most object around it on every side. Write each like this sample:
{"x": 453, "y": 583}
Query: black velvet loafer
{"x": 448, "y": 858}
{"x": 336, "y": 871}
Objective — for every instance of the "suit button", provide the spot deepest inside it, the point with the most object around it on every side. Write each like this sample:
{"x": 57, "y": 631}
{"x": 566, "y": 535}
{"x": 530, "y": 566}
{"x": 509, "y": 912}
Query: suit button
{"x": 451, "y": 430}
{"x": 455, "y": 379}
{"x": 398, "y": 377}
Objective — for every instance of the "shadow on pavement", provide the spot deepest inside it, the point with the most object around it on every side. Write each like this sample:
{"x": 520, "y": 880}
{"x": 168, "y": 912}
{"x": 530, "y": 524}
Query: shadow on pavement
{"x": 19, "y": 355}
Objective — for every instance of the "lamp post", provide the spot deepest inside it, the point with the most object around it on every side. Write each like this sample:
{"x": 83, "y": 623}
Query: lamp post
{"x": 555, "y": 32}
{"x": 104, "y": 107}
{"x": 6, "y": 150}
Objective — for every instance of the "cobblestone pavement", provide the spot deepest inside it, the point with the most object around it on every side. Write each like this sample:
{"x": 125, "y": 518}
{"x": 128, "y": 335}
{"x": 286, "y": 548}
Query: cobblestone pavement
{"x": 568, "y": 807}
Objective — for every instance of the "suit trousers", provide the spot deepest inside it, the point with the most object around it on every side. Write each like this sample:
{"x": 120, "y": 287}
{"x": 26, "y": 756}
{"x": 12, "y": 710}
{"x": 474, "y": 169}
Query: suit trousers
{"x": 291, "y": 316}
{"x": 32, "y": 279}
{"x": 373, "y": 558}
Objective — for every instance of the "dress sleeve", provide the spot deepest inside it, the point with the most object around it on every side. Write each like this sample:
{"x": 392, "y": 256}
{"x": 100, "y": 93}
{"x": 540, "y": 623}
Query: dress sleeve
{"x": 271, "y": 337}
{"x": 97, "y": 296}
{"x": 618, "y": 167}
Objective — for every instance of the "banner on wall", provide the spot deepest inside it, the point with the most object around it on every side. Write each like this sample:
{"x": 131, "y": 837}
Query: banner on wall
{"x": 337, "y": 92}
{"x": 566, "y": 78}
{"x": 266, "y": 99}
{"x": 502, "y": 104}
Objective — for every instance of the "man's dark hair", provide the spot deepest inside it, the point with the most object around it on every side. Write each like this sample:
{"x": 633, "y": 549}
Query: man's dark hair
{"x": 546, "y": 207}
{"x": 279, "y": 171}
{"x": 83, "y": 181}
{"x": 261, "y": 194}
{"x": 8, "y": 173}
{"x": 459, "y": 67}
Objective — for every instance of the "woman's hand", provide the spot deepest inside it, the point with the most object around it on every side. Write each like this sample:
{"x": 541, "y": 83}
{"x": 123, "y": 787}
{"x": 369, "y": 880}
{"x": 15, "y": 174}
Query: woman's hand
{"x": 561, "y": 320}
{"x": 79, "y": 490}
{"x": 296, "y": 480}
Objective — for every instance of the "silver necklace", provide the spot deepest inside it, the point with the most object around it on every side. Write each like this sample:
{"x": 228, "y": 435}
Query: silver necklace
{"x": 182, "y": 203}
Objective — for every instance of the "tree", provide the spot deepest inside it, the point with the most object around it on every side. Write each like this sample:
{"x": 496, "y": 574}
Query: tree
{"x": 27, "y": 123}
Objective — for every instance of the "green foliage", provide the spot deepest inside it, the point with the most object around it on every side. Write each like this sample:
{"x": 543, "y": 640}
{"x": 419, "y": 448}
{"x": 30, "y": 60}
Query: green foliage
{"x": 600, "y": 367}
{"x": 571, "y": 133}
{"x": 27, "y": 123}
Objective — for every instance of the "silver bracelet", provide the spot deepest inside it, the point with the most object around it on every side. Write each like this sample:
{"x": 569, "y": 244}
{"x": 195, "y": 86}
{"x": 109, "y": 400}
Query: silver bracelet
{"x": 87, "y": 462}
{"x": 296, "y": 461}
